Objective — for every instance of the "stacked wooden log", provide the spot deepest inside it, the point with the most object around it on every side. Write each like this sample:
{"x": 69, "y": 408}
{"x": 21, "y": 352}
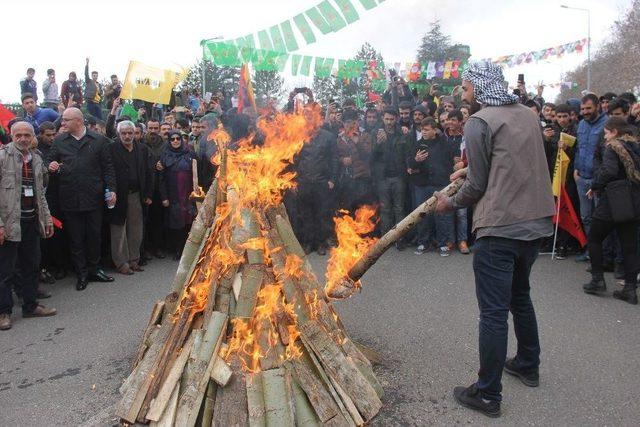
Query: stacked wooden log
{"x": 248, "y": 338}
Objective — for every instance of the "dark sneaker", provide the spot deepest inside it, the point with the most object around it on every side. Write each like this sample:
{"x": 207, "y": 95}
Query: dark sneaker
{"x": 561, "y": 253}
{"x": 470, "y": 397}
{"x": 530, "y": 379}
{"x": 595, "y": 286}
{"x": 627, "y": 293}
{"x": 618, "y": 271}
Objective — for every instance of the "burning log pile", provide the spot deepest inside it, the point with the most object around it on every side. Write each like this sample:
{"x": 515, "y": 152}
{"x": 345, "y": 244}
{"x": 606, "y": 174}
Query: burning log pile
{"x": 247, "y": 335}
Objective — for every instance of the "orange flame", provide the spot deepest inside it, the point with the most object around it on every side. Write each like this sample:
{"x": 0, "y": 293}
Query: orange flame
{"x": 353, "y": 242}
{"x": 256, "y": 178}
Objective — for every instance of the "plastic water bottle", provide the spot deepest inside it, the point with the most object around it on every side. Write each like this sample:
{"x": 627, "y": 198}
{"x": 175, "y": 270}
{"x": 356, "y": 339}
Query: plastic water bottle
{"x": 107, "y": 196}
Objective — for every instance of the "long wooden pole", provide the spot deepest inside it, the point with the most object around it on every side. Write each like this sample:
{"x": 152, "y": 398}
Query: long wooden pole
{"x": 348, "y": 285}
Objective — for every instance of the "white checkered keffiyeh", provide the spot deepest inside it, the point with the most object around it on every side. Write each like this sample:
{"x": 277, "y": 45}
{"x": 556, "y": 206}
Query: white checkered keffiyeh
{"x": 488, "y": 84}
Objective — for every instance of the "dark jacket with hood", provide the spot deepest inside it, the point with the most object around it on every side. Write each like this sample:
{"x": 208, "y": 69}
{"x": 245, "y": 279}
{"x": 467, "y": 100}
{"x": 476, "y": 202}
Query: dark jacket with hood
{"x": 612, "y": 169}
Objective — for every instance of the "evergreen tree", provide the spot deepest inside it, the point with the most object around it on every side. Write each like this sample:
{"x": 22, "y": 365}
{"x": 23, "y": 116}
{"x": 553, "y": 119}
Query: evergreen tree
{"x": 325, "y": 89}
{"x": 268, "y": 84}
{"x": 435, "y": 45}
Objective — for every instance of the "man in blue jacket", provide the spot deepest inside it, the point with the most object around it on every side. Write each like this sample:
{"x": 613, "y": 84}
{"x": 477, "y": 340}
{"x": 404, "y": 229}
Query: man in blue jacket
{"x": 36, "y": 115}
{"x": 590, "y": 130}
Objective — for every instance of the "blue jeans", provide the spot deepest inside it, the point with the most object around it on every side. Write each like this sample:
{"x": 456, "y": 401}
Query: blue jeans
{"x": 438, "y": 225}
{"x": 94, "y": 109}
{"x": 461, "y": 225}
{"x": 586, "y": 205}
{"x": 502, "y": 267}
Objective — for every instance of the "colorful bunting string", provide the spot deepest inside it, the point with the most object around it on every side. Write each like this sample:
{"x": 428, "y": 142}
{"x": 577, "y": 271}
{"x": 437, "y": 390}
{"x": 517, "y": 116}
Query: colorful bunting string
{"x": 540, "y": 55}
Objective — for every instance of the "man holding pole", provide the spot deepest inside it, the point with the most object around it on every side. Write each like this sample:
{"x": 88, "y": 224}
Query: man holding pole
{"x": 508, "y": 182}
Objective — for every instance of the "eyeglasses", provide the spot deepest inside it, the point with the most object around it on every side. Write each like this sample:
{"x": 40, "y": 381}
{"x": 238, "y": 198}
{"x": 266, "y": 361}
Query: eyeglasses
{"x": 175, "y": 138}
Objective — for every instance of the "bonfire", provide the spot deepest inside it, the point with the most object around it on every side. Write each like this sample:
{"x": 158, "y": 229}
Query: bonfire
{"x": 248, "y": 336}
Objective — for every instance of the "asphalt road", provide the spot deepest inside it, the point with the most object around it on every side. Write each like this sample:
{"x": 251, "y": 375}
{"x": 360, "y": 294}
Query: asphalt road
{"x": 418, "y": 312}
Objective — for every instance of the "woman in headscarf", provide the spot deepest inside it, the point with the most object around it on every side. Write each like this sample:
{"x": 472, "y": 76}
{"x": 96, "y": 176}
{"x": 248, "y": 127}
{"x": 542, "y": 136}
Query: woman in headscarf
{"x": 175, "y": 186}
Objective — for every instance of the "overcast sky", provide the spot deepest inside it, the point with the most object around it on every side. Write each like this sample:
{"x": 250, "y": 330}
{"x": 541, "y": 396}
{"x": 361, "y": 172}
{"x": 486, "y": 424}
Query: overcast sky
{"x": 60, "y": 34}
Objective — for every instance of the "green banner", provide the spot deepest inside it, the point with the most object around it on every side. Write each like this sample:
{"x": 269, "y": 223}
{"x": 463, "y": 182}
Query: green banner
{"x": 295, "y": 64}
{"x": 350, "y": 69}
{"x": 305, "y": 67}
{"x": 265, "y": 40}
{"x": 348, "y": 11}
{"x": 304, "y": 28}
{"x": 276, "y": 38}
{"x": 323, "y": 66}
{"x": 318, "y": 20}
{"x": 289, "y": 38}
{"x": 332, "y": 16}
{"x": 368, "y": 4}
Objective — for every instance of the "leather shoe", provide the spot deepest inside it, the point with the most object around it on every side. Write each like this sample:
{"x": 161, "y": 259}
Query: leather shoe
{"x": 100, "y": 276}
{"x": 81, "y": 284}
{"x": 40, "y": 311}
{"x": 5, "y": 322}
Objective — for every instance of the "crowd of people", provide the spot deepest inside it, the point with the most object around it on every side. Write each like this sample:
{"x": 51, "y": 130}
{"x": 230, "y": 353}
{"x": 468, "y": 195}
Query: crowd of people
{"x": 84, "y": 192}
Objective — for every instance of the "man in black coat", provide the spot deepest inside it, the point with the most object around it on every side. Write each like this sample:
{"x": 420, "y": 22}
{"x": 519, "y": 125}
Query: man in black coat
{"x": 317, "y": 168}
{"x": 82, "y": 161}
{"x": 134, "y": 181}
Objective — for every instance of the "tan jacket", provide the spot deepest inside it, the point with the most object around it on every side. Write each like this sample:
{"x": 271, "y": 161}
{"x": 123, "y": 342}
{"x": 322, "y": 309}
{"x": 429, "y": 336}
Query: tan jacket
{"x": 11, "y": 192}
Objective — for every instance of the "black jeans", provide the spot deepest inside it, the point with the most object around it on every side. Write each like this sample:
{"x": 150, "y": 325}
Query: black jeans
{"x": 84, "y": 230}
{"x": 315, "y": 203}
{"x": 391, "y": 194}
{"x": 627, "y": 233}
{"x": 25, "y": 256}
{"x": 502, "y": 267}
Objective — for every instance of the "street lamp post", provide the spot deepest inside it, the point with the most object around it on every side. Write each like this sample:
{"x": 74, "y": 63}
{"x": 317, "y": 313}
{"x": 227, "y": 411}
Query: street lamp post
{"x": 588, "y": 41}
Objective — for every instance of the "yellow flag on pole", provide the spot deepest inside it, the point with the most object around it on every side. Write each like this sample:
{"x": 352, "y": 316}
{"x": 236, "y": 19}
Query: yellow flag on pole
{"x": 149, "y": 83}
{"x": 560, "y": 172}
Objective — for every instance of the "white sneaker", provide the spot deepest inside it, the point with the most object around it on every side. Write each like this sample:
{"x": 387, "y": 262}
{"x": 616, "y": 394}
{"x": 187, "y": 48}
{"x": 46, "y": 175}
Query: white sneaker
{"x": 444, "y": 251}
{"x": 420, "y": 250}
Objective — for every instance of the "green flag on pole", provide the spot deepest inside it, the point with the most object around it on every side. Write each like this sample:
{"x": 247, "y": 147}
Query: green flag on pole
{"x": 305, "y": 67}
{"x": 295, "y": 64}
{"x": 265, "y": 40}
{"x": 289, "y": 37}
{"x": 318, "y": 20}
{"x": 304, "y": 28}
{"x": 332, "y": 16}
{"x": 368, "y": 4}
{"x": 348, "y": 11}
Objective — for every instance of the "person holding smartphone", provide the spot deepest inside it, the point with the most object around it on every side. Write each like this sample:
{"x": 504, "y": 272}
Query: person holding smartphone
{"x": 430, "y": 162}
